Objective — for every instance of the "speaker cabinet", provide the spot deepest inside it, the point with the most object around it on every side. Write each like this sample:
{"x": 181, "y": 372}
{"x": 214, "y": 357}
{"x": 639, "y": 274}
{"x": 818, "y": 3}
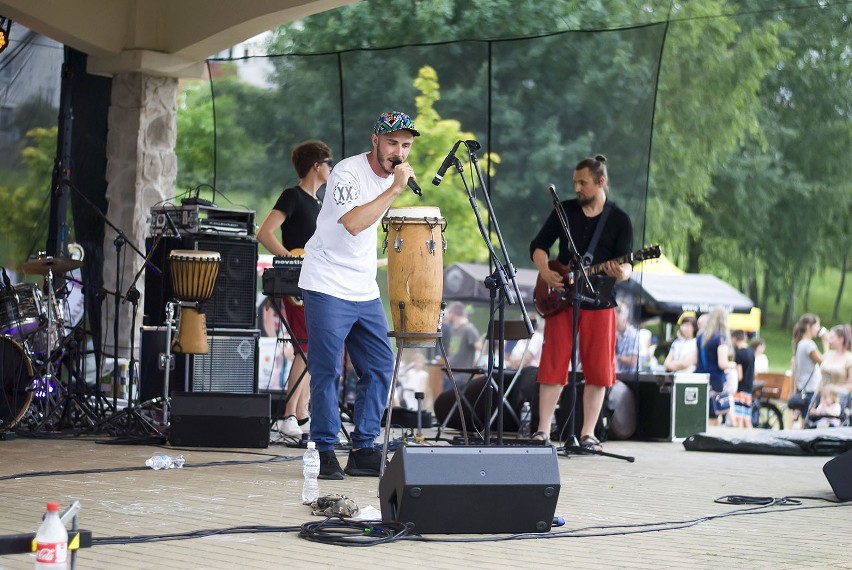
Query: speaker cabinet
{"x": 233, "y": 302}
{"x": 838, "y": 471}
{"x": 230, "y": 366}
{"x": 212, "y": 419}
{"x": 476, "y": 490}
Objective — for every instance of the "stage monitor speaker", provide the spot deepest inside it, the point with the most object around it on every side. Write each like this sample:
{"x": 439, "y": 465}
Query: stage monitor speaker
{"x": 230, "y": 366}
{"x": 218, "y": 419}
{"x": 838, "y": 471}
{"x": 233, "y": 304}
{"x": 472, "y": 490}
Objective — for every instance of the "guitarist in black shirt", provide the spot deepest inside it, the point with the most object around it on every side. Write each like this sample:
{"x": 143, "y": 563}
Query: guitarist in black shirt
{"x": 596, "y": 321}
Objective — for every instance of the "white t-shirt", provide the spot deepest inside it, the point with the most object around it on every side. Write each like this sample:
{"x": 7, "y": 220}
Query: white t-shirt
{"x": 807, "y": 371}
{"x": 336, "y": 262}
{"x": 535, "y": 344}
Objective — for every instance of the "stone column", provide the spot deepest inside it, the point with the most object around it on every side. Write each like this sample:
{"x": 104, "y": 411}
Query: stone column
{"x": 141, "y": 171}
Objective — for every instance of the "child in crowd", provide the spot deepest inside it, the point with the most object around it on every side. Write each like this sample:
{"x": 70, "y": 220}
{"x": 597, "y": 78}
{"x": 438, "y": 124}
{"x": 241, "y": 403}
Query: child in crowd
{"x": 761, "y": 361}
{"x": 744, "y": 357}
{"x": 827, "y": 413}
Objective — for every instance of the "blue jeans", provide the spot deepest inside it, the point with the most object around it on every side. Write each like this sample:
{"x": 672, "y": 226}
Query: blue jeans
{"x": 360, "y": 326}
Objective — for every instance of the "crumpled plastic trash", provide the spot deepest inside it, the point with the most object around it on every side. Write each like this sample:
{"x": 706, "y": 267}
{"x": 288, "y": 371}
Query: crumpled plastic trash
{"x": 335, "y": 504}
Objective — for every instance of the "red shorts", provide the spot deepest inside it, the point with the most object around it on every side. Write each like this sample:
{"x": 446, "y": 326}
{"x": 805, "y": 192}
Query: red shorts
{"x": 296, "y": 319}
{"x": 597, "y": 347}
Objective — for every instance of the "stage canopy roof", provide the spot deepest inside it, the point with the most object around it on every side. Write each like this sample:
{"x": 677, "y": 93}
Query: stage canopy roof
{"x": 663, "y": 294}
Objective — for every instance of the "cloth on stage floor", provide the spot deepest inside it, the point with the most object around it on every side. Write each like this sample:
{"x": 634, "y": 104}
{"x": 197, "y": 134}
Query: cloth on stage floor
{"x": 335, "y": 504}
{"x": 819, "y": 441}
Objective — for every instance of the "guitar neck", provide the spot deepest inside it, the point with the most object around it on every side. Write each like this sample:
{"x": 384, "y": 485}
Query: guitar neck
{"x": 599, "y": 267}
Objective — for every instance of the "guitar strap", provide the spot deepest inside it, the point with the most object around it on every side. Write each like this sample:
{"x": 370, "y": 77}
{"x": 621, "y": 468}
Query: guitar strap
{"x": 590, "y": 252}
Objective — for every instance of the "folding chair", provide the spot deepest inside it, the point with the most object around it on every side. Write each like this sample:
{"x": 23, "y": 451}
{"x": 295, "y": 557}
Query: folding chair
{"x": 513, "y": 330}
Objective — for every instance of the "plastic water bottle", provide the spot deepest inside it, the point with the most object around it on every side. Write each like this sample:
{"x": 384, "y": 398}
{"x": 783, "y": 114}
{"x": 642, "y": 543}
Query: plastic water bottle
{"x": 52, "y": 541}
{"x": 525, "y": 419}
{"x": 163, "y": 461}
{"x": 310, "y": 468}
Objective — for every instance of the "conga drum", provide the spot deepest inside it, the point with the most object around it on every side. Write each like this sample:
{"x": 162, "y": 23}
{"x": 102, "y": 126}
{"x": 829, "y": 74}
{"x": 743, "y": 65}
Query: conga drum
{"x": 415, "y": 245}
{"x": 194, "y": 275}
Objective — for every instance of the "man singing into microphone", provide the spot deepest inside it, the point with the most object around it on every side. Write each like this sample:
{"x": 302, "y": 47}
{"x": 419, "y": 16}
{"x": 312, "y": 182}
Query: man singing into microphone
{"x": 597, "y": 319}
{"x": 341, "y": 296}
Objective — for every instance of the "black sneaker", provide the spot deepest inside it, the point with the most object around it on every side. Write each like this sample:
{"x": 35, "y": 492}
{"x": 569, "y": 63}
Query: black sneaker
{"x": 329, "y": 467}
{"x": 364, "y": 462}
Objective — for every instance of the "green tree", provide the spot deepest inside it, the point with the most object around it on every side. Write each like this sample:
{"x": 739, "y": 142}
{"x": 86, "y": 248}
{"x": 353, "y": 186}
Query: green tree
{"x": 708, "y": 104}
{"x": 204, "y": 138}
{"x": 25, "y": 207}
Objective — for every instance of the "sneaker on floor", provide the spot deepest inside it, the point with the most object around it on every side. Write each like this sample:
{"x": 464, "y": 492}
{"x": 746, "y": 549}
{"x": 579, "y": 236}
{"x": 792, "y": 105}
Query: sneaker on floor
{"x": 364, "y": 462}
{"x": 305, "y": 425}
{"x": 329, "y": 467}
{"x": 289, "y": 426}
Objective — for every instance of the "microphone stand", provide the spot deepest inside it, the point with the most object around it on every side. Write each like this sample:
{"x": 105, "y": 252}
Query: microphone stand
{"x": 119, "y": 242}
{"x": 572, "y": 446}
{"x": 502, "y": 280}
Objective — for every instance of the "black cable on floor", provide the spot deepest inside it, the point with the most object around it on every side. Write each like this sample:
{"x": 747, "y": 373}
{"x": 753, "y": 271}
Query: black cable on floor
{"x": 343, "y": 532}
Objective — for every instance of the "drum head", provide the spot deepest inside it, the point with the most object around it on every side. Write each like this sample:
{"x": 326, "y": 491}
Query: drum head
{"x": 415, "y": 212}
{"x": 17, "y": 376}
{"x": 192, "y": 254}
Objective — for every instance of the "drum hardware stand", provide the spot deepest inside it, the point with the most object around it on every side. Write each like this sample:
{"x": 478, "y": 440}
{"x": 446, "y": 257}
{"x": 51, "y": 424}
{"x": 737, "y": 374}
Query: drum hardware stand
{"x": 77, "y": 407}
{"x": 502, "y": 279}
{"x": 47, "y": 377}
{"x": 573, "y": 447}
{"x": 119, "y": 242}
{"x": 130, "y": 418}
{"x": 402, "y": 337}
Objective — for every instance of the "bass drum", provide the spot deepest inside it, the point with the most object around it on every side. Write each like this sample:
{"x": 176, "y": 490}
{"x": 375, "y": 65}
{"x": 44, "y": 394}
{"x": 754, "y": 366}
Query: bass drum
{"x": 17, "y": 375}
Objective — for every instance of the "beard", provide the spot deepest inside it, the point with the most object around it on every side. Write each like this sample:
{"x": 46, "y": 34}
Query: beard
{"x": 383, "y": 159}
{"x": 584, "y": 200}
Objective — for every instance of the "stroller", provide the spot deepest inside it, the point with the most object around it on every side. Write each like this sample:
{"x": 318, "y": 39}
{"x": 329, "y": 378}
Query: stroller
{"x": 836, "y": 415}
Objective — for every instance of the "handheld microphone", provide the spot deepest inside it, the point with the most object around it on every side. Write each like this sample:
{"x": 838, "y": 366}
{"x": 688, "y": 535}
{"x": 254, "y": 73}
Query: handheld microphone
{"x": 448, "y": 161}
{"x": 411, "y": 182}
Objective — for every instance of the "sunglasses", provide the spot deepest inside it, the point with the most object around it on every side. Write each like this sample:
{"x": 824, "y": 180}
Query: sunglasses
{"x": 327, "y": 161}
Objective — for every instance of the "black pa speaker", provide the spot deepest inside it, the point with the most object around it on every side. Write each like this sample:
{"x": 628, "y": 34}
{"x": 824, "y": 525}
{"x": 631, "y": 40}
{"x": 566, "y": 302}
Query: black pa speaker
{"x": 234, "y": 295}
{"x": 838, "y": 471}
{"x": 471, "y": 490}
{"x": 218, "y": 419}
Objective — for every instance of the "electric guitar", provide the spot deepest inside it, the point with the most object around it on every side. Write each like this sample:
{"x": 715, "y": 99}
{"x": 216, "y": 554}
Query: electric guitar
{"x": 550, "y": 301}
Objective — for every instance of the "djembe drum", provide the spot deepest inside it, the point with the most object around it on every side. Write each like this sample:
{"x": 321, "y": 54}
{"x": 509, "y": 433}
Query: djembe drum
{"x": 194, "y": 275}
{"x": 415, "y": 269}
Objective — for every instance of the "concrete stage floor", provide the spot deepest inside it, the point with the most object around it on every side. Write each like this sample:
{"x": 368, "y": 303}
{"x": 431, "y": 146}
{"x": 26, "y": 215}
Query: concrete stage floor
{"x": 666, "y": 484}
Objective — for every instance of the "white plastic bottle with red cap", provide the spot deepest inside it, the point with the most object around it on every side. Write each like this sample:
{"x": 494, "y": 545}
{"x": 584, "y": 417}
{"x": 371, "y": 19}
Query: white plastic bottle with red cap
{"x": 52, "y": 541}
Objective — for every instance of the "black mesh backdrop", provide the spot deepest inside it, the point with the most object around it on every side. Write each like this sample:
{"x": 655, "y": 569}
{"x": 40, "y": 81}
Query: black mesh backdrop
{"x": 540, "y": 104}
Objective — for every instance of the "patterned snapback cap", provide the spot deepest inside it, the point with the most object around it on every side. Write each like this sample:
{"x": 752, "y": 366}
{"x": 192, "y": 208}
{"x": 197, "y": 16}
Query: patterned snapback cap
{"x": 394, "y": 121}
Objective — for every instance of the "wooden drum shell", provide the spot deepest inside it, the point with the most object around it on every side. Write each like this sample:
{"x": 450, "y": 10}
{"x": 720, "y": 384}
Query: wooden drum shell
{"x": 415, "y": 269}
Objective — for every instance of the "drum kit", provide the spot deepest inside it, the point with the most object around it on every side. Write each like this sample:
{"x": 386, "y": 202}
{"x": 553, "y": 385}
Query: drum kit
{"x": 36, "y": 332}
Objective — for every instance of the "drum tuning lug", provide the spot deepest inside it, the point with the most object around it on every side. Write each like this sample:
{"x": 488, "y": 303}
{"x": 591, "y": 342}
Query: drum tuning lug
{"x": 430, "y": 245}
{"x": 397, "y": 244}
{"x": 385, "y": 246}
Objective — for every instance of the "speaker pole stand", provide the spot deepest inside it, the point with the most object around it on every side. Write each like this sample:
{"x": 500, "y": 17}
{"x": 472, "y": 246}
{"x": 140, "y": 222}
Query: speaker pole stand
{"x": 402, "y": 337}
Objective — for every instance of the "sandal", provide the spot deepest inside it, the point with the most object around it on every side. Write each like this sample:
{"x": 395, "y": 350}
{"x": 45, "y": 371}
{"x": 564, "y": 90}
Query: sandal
{"x": 541, "y": 436}
{"x": 591, "y": 443}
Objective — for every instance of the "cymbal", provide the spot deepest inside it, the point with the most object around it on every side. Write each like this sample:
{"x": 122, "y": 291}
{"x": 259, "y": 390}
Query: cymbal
{"x": 43, "y": 264}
